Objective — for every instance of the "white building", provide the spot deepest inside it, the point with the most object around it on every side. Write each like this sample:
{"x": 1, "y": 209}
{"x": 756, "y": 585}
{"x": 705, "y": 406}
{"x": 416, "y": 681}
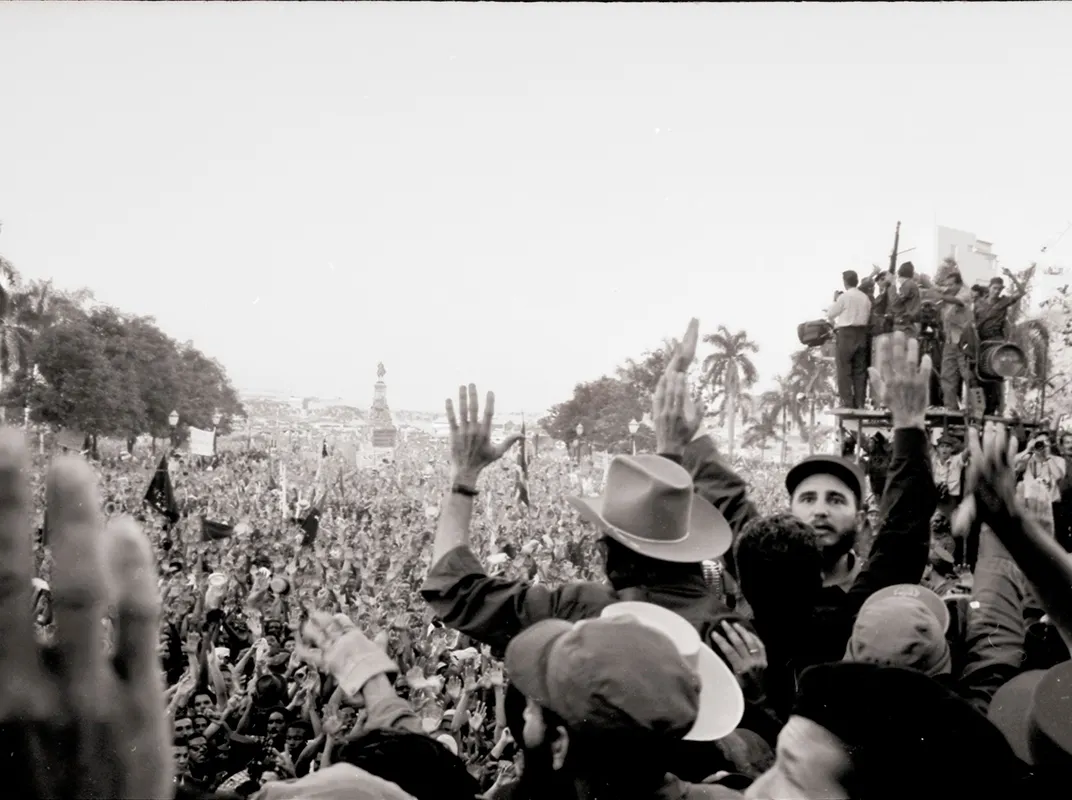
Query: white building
{"x": 975, "y": 257}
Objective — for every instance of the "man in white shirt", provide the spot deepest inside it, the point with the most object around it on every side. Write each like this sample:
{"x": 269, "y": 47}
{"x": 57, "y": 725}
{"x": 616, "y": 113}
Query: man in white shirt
{"x": 850, "y": 314}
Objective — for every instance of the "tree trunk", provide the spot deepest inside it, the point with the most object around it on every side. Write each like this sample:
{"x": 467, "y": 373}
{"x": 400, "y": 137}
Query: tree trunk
{"x": 731, "y": 412}
{"x": 811, "y": 429}
{"x": 785, "y": 435}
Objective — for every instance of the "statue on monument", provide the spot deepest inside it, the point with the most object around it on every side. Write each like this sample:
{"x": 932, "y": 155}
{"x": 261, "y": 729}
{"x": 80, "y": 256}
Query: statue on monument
{"x": 380, "y": 371}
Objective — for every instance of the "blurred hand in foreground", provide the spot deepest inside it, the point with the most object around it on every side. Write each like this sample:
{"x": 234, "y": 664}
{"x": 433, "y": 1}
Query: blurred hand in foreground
{"x": 74, "y": 723}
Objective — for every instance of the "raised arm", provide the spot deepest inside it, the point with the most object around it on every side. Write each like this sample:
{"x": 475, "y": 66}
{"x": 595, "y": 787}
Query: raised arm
{"x": 899, "y": 552}
{"x": 458, "y": 588}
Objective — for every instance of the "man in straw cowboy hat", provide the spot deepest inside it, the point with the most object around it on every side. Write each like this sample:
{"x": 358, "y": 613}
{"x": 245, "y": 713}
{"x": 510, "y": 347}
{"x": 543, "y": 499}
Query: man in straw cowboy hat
{"x": 655, "y": 532}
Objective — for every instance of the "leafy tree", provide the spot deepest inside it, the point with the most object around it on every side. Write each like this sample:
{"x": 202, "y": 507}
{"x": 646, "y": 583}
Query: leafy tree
{"x": 205, "y": 390}
{"x": 604, "y": 407}
{"x": 728, "y": 371}
{"x": 79, "y": 389}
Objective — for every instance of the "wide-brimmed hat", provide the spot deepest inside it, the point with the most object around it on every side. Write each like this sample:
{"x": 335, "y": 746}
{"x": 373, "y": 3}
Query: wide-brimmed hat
{"x": 721, "y": 699}
{"x": 649, "y": 506}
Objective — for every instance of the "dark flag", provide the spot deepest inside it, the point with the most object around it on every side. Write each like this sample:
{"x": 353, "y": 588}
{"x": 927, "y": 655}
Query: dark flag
{"x": 324, "y": 450}
{"x": 160, "y": 496}
{"x": 214, "y": 531}
{"x": 310, "y": 525}
{"x": 522, "y": 471}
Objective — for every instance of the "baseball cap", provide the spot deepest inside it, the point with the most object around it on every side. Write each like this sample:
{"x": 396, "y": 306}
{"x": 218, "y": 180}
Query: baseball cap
{"x": 606, "y": 676}
{"x": 845, "y": 470}
{"x": 924, "y": 595}
{"x": 900, "y": 631}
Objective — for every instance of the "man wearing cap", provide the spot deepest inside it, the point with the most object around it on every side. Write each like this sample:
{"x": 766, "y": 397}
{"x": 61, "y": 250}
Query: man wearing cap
{"x": 799, "y": 573}
{"x": 608, "y": 698}
{"x": 956, "y": 309}
{"x": 850, "y": 315}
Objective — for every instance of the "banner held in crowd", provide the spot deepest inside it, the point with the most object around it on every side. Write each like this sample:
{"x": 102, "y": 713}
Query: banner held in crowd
{"x": 214, "y": 531}
{"x": 202, "y": 443}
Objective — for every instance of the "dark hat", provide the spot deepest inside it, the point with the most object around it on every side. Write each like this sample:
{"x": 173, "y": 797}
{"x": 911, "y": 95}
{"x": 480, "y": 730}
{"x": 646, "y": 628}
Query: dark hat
{"x": 1034, "y": 712}
{"x": 649, "y": 506}
{"x": 898, "y": 724}
{"x": 607, "y": 676}
{"x": 844, "y": 469}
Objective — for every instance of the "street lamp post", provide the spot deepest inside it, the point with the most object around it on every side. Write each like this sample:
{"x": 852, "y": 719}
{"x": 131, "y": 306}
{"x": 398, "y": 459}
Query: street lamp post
{"x": 580, "y": 433}
{"x": 634, "y": 426}
{"x": 173, "y": 421}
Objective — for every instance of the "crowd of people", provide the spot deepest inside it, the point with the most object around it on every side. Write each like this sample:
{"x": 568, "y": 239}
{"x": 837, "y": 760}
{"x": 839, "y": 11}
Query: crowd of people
{"x": 948, "y": 316}
{"x": 675, "y": 627}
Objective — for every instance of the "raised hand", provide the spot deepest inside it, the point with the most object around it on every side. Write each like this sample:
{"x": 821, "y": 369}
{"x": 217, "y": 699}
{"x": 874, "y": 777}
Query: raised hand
{"x": 76, "y": 723}
{"x": 674, "y": 414}
{"x": 991, "y": 475}
{"x": 477, "y": 716}
{"x": 454, "y": 689}
{"x": 901, "y": 380}
{"x": 683, "y": 353}
{"x": 471, "y": 448}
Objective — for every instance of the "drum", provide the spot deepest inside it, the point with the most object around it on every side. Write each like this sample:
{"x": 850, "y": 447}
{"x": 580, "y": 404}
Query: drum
{"x": 1001, "y": 360}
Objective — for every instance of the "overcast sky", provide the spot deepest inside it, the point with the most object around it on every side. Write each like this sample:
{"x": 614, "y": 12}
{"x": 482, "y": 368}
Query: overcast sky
{"x": 516, "y": 195}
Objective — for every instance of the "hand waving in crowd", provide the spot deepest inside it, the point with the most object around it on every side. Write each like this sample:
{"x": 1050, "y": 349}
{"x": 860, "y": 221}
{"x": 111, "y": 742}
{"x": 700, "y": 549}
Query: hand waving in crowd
{"x": 675, "y": 414}
{"x": 901, "y": 379}
{"x": 74, "y": 723}
{"x": 471, "y": 447}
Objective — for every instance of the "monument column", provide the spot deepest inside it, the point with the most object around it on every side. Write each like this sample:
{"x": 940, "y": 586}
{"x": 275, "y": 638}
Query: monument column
{"x": 384, "y": 432}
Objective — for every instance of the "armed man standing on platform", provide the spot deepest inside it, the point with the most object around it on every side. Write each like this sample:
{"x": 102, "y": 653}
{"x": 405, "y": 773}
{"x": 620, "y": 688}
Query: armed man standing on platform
{"x": 850, "y": 314}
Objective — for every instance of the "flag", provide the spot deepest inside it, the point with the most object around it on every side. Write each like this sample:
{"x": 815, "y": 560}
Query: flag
{"x": 214, "y": 531}
{"x": 324, "y": 449}
{"x": 310, "y": 525}
{"x": 160, "y": 496}
{"x": 522, "y": 471}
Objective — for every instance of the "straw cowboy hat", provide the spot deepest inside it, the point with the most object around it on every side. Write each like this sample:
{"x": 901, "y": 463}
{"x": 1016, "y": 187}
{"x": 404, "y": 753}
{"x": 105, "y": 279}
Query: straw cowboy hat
{"x": 649, "y": 506}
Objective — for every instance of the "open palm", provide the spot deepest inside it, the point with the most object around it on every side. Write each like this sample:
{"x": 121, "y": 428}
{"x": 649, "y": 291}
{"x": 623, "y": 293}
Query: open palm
{"x": 471, "y": 447}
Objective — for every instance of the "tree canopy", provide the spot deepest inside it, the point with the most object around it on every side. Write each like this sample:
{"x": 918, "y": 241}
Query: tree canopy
{"x": 78, "y": 364}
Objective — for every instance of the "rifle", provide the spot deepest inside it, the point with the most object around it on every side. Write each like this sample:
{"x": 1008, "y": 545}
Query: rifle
{"x": 893, "y": 252}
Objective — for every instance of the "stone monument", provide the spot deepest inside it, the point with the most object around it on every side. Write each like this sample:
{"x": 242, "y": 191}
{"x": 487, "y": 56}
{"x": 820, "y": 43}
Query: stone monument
{"x": 382, "y": 427}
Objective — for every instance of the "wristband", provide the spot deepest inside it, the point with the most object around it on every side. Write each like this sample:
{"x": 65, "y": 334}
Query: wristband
{"x": 463, "y": 490}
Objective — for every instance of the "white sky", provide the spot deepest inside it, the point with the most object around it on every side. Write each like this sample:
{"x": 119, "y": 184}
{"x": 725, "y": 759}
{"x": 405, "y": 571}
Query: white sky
{"x": 516, "y": 195}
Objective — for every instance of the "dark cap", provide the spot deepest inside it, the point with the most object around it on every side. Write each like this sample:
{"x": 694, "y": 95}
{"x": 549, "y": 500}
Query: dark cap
{"x": 844, "y": 469}
{"x": 608, "y": 676}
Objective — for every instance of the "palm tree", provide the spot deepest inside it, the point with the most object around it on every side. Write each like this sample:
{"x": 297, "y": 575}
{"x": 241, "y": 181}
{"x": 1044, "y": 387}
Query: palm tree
{"x": 1032, "y": 336}
{"x": 728, "y": 371}
{"x": 783, "y": 401}
{"x": 759, "y": 433}
{"x": 814, "y": 379}
{"x": 15, "y": 338}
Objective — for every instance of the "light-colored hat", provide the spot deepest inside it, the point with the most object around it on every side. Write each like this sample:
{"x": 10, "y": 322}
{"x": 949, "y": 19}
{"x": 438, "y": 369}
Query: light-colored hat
{"x": 649, "y": 506}
{"x": 721, "y": 698}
